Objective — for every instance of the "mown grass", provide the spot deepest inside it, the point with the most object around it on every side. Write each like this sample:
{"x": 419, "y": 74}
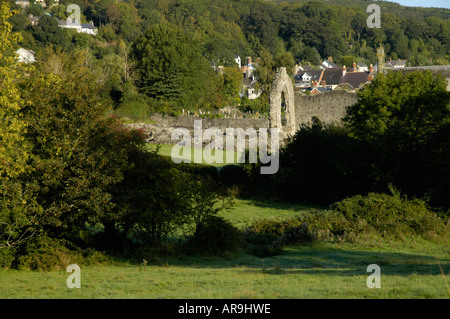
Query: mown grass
{"x": 197, "y": 155}
{"x": 413, "y": 268}
{"x": 311, "y": 271}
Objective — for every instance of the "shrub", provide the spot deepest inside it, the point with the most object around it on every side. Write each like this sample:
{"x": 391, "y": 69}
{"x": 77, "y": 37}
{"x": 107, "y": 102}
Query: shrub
{"x": 215, "y": 236}
{"x": 274, "y": 226}
{"x": 297, "y": 235}
{"x": 262, "y": 244}
{"x": 232, "y": 175}
{"x": 325, "y": 220}
{"x": 266, "y": 237}
{"x": 390, "y": 214}
{"x": 7, "y": 256}
{"x": 45, "y": 253}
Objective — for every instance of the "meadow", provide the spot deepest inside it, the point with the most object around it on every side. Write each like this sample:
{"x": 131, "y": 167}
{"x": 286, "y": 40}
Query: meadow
{"x": 412, "y": 268}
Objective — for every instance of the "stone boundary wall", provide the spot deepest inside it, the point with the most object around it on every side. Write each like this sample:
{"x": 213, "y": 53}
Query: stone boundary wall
{"x": 160, "y": 132}
{"x": 187, "y": 121}
{"x": 327, "y": 107}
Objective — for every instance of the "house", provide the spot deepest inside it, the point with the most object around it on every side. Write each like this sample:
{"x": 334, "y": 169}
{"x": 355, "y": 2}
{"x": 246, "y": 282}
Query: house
{"x": 249, "y": 89}
{"x": 23, "y": 3}
{"x": 32, "y": 19}
{"x": 304, "y": 79}
{"x": 249, "y": 78}
{"x": 26, "y": 56}
{"x": 303, "y": 68}
{"x": 362, "y": 67}
{"x": 41, "y": 2}
{"x": 88, "y": 28}
{"x": 237, "y": 59}
{"x": 327, "y": 64}
{"x": 315, "y": 90}
{"x": 396, "y": 64}
{"x": 331, "y": 77}
{"x": 248, "y": 68}
{"x": 355, "y": 80}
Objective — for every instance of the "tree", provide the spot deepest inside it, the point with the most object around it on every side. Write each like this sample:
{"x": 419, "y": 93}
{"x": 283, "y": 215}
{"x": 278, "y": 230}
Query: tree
{"x": 403, "y": 117}
{"x": 17, "y": 206}
{"x": 78, "y": 154}
{"x": 172, "y": 68}
{"x": 49, "y": 33}
{"x": 232, "y": 81}
{"x": 128, "y": 22}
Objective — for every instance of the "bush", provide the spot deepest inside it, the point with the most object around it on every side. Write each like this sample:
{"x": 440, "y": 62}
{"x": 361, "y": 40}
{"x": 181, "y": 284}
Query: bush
{"x": 215, "y": 236}
{"x": 297, "y": 235}
{"x": 266, "y": 237}
{"x": 391, "y": 214}
{"x": 275, "y": 227}
{"x": 331, "y": 222}
{"x": 262, "y": 244}
{"x": 45, "y": 253}
{"x": 7, "y": 256}
{"x": 232, "y": 175}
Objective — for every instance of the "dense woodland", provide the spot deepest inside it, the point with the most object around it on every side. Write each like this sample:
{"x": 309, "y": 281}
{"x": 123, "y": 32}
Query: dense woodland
{"x": 75, "y": 184}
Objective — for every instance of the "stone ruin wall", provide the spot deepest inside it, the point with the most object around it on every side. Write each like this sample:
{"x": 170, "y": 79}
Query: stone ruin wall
{"x": 327, "y": 107}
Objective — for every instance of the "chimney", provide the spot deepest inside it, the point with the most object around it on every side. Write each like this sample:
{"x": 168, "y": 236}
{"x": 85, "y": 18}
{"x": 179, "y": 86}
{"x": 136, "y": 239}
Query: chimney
{"x": 354, "y": 66}
{"x": 296, "y": 68}
{"x": 314, "y": 84}
{"x": 249, "y": 60}
{"x": 324, "y": 83}
{"x": 371, "y": 69}
{"x": 330, "y": 59}
{"x": 344, "y": 70}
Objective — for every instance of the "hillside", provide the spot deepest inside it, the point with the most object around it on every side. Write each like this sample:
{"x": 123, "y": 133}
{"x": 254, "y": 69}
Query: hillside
{"x": 387, "y": 6}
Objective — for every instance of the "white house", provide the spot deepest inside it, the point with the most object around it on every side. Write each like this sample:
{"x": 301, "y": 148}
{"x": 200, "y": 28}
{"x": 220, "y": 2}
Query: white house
{"x": 26, "y": 56}
{"x": 88, "y": 28}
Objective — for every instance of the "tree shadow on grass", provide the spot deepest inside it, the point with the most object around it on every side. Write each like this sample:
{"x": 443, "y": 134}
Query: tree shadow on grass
{"x": 328, "y": 261}
{"x": 285, "y": 205}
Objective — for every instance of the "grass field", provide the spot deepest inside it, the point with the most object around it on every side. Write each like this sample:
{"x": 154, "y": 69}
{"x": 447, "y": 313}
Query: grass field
{"x": 219, "y": 159}
{"x": 410, "y": 269}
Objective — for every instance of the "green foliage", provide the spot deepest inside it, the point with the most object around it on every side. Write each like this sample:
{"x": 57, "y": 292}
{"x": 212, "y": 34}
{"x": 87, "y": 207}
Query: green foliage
{"x": 172, "y": 68}
{"x": 409, "y": 107}
{"x": 17, "y": 205}
{"x": 396, "y": 133}
{"x": 45, "y": 253}
{"x": 215, "y": 236}
{"x": 266, "y": 237}
{"x": 391, "y": 214}
{"x": 349, "y": 220}
{"x": 232, "y": 82}
{"x": 49, "y": 33}
{"x": 274, "y": 226}
{"x": 297, "y": 235}
{"x": 404, "y": 119}
{"x": 7, "y": 257}
{"x": 77, "y": 153}
{"x": 150, "y": 214}
{"x": 263, "y": 244}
